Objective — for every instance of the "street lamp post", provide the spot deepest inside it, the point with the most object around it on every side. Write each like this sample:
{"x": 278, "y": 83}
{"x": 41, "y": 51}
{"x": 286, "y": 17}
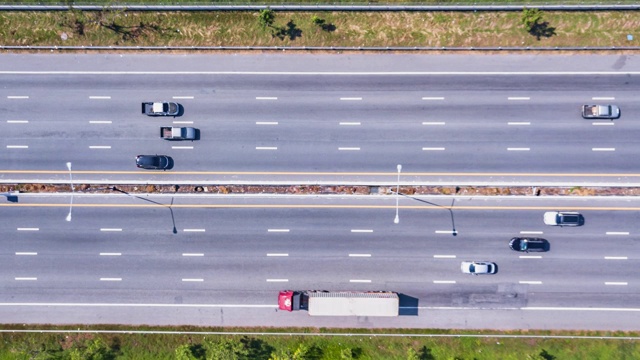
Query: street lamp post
{"x": 397, "y": 219}
{"x": 71, "y": 182}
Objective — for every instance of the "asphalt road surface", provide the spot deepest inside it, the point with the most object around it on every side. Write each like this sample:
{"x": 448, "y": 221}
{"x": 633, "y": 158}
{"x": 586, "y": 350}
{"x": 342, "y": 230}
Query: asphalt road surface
{"x": 221, "y": 260}
{"x": 322, "y": 118}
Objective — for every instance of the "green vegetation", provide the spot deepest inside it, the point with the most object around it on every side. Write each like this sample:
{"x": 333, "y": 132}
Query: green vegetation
{"x": 274, "y": 28}
{"x": 370, "y": 345}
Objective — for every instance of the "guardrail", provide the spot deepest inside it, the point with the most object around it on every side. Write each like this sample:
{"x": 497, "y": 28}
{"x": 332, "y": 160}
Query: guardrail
{"x": 323, "y": 7}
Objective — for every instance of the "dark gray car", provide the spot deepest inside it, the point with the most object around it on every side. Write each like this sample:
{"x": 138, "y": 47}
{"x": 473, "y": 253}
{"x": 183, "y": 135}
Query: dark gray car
{"x": 529, "y": 244}
{"x": 153, "y": 162}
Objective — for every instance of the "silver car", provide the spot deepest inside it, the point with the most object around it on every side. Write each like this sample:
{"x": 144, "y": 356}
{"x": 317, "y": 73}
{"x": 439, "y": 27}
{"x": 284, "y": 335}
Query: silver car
{"x": 479, "y": 267}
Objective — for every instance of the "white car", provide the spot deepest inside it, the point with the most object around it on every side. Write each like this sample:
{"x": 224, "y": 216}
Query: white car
{"x": 563, "y": 218}
{"x": 478, "y": 267}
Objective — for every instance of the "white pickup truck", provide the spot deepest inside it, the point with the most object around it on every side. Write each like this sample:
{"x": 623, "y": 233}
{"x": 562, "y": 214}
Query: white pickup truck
{"x": 600, "y": 112}
{"x": 160, "y": 108}
{"x": 178, "y": 133}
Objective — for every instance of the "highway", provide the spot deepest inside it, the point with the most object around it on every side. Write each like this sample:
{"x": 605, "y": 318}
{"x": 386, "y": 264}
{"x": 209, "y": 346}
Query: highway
{"x": 322, "y": 119}
{"x": 221, "y": 260}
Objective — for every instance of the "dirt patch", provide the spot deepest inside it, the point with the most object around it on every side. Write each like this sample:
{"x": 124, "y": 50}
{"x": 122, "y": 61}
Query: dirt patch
{"x": 324, "y": 190}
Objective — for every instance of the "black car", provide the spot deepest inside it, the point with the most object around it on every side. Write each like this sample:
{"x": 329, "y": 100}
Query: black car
{"x": 529, "y": 244}
{"x": 153, "y": 162}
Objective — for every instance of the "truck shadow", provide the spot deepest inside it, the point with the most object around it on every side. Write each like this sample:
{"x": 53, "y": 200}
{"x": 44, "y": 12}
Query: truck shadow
{"x": 408, "y": 305}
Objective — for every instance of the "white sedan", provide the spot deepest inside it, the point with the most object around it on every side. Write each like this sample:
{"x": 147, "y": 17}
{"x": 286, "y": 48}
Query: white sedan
{"x": 478, "y": 267}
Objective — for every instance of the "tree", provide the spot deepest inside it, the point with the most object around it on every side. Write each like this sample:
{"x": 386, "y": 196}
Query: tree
{"x": 183, "y": 352}
{"x": 266, "y": 17}
{"x": 225, "y": 349}
{"x": 300, "y": 353}
{"x": 531, "y": 18}
{"x": 95, "y": 349}
{"x": 412, "y": 354}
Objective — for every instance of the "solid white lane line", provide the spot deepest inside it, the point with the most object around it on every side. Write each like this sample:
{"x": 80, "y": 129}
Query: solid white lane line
{"x": 345, "y": 123}
{"x": 266, "y": 148}
{"x": 349, "y": 148}
{"x": 192, "y": 254}
{"x": 193, "y": 230}
{"x": 277, "y": 254}
{"x": 99, "y": 147}
{"x": 266, "y": 98}
{"x": 617, "y": 233}
{"x": 277, "y": 230}
{"x": 350, "y": 98}
{"x": 444, "y": 256}
{"x": 27, "y": 253}
{"x": 603, "y": 149}
{"x": 603, "y": 98}
{"x": 17, "y": 97}
{"x": 182, "y": 122}
{"x": 446, "y": 232}
{"x": 359, "y": 255}
{"x": 361, "y": 230}
{"x": 615, "y": 258}
{"x": 110, "y": 229}
{"x": 99, "y": 97}
{"x": 433, "y": 98}
{"x": 579, "y": 309}
{"x": 17, "y": 146}
{"x": 433, "y": 123}
{"x": 531, "y": 232}
{"x": 110, "y": 254}
{"x": 518, "y": 149}
{"x": 26, "y": 278}
{"x": 359, "y": 281}
{"x": 28, "y": 229}
{"x": 519, "y": 123}
{"x": 620, "y": 283}
{"x": 277, "y": 280}
{"x": 193, "y": 280}
{"x": 100, "y": 121}
{"x": 432, "y": 149}
{"x": 531, "y": 282}
{"x": 110, "y": 279}
{"x": 183, "y": 97}
{"x": 611, "y": 123}
{"x": 17, "y": 121}
{"x": 444, "y": 281}
{"x": 266, "y": 123}
{"x": 530, "y": 257}
{"x": 182, "y": 147}
{"x": 517, "y": 98}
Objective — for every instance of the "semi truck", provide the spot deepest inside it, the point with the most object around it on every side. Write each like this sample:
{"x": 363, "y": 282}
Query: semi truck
{"x": 340, "y": 303}
{"x": 600, "y": 111}
{"x": 178, "y": 133}
{"x": 160, "y": 108}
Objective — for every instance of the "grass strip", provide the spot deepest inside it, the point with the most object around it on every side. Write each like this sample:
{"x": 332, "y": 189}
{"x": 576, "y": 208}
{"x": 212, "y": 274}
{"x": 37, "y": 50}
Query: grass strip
{"x": 377, "y": 29}
{"x": 371, "y": 345}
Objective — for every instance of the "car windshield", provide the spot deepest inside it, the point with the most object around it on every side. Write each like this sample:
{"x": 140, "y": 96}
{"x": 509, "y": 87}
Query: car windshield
{"x": 472, "y": 268}
{"x": 524, "y": 245}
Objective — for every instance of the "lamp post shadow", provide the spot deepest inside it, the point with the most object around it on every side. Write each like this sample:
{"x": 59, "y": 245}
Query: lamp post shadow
{"x": 170, "y": 206}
